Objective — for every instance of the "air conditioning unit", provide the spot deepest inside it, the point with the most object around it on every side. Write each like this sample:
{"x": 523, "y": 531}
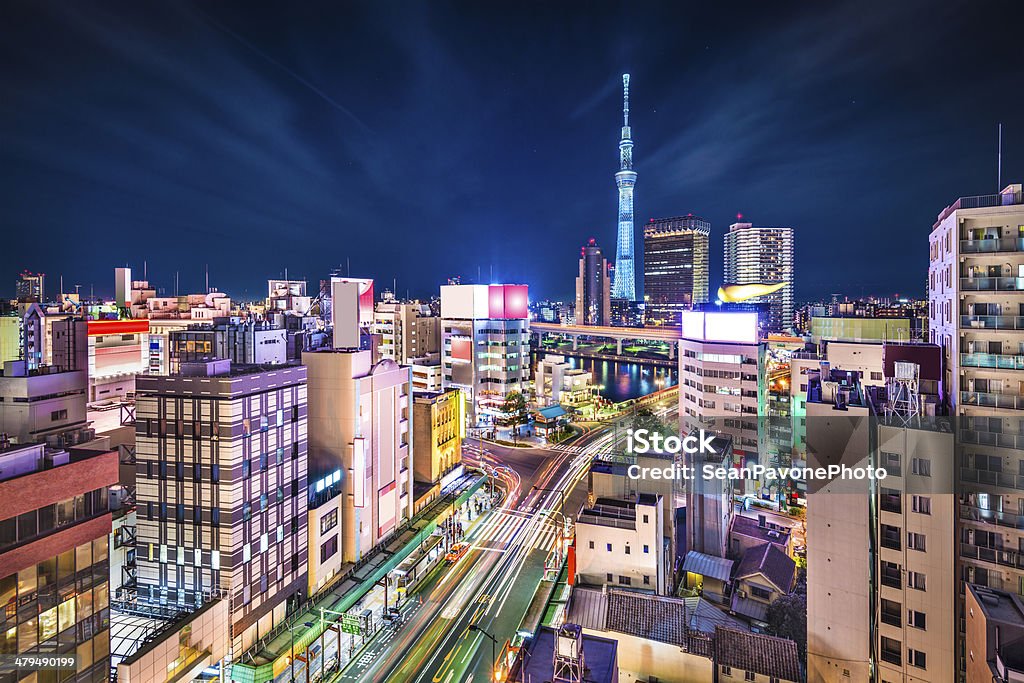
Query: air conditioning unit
{"x": 741, "y": 594}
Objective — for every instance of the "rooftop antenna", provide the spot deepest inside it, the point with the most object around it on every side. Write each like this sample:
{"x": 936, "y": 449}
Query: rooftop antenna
{"x": 175, "y": 284}
{"x": 999, "y": 162}
{"x": 207, "y": 278}
{"x": 145, "y": 271}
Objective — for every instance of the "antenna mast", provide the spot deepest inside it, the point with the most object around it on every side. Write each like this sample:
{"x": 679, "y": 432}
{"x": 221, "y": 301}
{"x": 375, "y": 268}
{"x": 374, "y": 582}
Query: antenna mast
{"x": 999, "y": 161}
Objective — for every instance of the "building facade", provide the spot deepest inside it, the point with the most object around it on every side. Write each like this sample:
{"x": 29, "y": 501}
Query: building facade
{"x": 361, "y": 449}
{"x": 54, "y": 575}
{"x": 976, "y": 314}
{"x": 593, "y": 287}
{"x": 619, "y": 543}
{"x": 407, "y": 331}
{"x": 485, "y": 345}
{"x": 675, "y": 267}
{"x": 763, "y": 255}
{"x": 439, "y": 426}
{"x": 221, "y": 485}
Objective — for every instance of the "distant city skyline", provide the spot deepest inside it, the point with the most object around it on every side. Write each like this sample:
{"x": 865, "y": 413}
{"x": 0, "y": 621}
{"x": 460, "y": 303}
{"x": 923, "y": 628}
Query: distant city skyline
{"x": 451, "y": 154}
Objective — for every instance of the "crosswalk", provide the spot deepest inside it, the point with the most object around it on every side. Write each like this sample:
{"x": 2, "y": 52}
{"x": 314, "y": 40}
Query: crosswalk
{"x": 500, "y": 530}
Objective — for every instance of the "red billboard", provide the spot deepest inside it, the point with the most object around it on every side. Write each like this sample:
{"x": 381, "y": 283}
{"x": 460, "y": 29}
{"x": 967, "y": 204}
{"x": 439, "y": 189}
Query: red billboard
{"x": 462, "y": 349}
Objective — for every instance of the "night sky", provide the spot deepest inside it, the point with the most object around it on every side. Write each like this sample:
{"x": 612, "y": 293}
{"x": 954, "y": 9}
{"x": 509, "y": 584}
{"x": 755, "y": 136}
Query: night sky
{"x": 423, "y": 140}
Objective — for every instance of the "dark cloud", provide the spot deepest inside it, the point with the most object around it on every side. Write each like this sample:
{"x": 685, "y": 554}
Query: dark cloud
{"x": 423, "y": 140}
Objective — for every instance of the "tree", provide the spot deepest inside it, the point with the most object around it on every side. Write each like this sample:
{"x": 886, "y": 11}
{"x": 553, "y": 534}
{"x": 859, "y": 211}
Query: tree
{"x": 787, "y": 617}
{"x": 515, "y": 407}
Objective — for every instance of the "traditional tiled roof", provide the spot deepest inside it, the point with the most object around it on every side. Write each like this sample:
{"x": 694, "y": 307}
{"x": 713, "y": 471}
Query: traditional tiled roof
{"x": 757, "y": 653}
{"x": 767, "y": 559}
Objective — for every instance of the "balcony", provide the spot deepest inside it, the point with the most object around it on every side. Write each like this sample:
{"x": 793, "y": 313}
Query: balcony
{"x": 1003, "y": 479}
{"x": 992, "y": 322}
{"x": 1006, "y": 519}
{"x": 992, "y": 360}
{"x": 985, "y": 400}
{"x": 1006, "y": 558}
{"x": 992, "y": 245}
{"x": 992, "y": 284}
{"x": 998, "y": 439}
{"x": 891, "y": 617}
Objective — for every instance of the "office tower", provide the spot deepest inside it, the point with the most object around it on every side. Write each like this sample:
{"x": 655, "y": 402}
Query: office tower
{"x": 624, "y": 285}
{"x": 675, "y": 267}
{"x": 485, "y": 345}
{"x": 360, "y": 455}
{"x": 31, "y": 288}
{"x": 221, "y": 491}
{"x": 976, "y": 313}
{"x": 54, "y": 572}
{"x": 593, "y": 289}
{"x": 763, "y": 255}
{"x": 881, "y": 576}
{"x": 407, "y": 331}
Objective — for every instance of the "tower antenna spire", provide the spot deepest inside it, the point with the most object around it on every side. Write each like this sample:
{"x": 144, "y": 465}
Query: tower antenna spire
{"x": 625, "y": 103}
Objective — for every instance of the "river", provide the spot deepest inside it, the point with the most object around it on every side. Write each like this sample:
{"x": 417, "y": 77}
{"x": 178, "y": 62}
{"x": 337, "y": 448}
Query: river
{"x": 623, "y": 380}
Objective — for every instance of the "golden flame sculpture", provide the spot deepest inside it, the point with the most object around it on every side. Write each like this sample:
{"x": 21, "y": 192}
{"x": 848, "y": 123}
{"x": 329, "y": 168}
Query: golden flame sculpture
{"x": 733, "y": 294}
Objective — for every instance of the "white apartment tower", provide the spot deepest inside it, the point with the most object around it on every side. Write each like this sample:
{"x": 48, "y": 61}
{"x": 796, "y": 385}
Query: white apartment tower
{"x": 976, "y": 313}
{"x": 757, "y": 254}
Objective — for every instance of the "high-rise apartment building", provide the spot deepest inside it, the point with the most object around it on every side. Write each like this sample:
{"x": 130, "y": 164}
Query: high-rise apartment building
{"x": 485, "y": 344}
{"x": 675, "y": 267}
{"x": 407, "y": 331}
{"x": 360, "y": 455}
{"x": 624, "y": 284}
{"x": 976, "y": 313}
{"x": 593, "y": 287}
{"x": 221, "y": 491}
{"x": 763, "y": 255}
{"x": 54, "y": 571}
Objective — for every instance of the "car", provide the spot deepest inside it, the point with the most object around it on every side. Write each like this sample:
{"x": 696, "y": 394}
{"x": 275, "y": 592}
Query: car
{"x": 456, "y": 552}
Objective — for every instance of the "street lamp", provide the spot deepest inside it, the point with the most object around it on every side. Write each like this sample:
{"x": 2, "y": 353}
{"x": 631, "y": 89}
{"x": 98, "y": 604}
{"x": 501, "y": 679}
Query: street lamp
{"x": 494, "y": 643}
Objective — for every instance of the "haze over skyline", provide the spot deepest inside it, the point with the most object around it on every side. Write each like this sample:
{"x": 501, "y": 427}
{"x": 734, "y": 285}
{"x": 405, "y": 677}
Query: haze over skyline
{"x": 255, "y": 139}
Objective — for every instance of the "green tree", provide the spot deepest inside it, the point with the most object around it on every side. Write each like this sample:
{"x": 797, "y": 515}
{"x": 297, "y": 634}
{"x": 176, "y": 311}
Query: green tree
{"x": 787, "y": 616}
{"x": 515, "y": 407}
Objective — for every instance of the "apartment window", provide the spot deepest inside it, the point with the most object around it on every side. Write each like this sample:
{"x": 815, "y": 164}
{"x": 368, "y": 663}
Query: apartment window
{"x": 876, "y": 376}
{"x": 922, "y": 505}
{"x": 915, "y": 541}
{"x": 916, "y": 580}
{"x": 916, "y": 658}
{"x": 609, "y": 546}
{"x": 760, "y": 593}
{"x": 726, "y": 671}
{"x": 916, "y": 619}
{"x": 891, "y": 463}
{"x": 215, "y": 474}
{"x": 591, "y": 544}
{"x": 647, "y": 549}
{"x": 647, "y": 580}
{"x": 627, "y": 550}
{"x": 608, "y": 577}
{"x": 922, "y": 467}
{"x": 890, "y": 537}
{"x": 646, "y": 521}
{"x": 890, "y": 574}
{"x": 892, "y": 651}
{"x": 624, "y": 581}
{"x": 891, "y": 500}
{"x": 891, "y": 612}
{"x": 58, "y": 415}
{"x": 328, "y": 549}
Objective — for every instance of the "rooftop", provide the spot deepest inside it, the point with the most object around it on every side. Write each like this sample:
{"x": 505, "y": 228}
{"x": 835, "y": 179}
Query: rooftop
{"x": 708, "y": 565}
{"x": 766, "y": 531}
{"x": 600, "y": 654}
{"x": 757, "y": 653}
{"x": 1010, "y": 196}
{"x": 768, "y": 560}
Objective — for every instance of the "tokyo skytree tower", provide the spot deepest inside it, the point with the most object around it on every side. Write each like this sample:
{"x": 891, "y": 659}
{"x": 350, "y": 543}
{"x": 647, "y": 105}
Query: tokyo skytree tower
{"x": 624, "y": 284}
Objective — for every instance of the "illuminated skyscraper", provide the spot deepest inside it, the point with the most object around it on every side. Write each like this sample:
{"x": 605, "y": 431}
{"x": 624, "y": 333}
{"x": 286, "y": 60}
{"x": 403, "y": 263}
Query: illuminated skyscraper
{"x": 757, "y": 254}
{"x": 593, "y": 305}
{"x": 624, "y": 285}
{"x": 675, "y": 267}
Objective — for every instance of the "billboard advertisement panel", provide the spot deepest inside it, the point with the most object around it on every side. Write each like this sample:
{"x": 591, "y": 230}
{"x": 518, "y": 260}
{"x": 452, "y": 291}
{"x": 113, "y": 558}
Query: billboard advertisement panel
{"x": 507, "y": 301}
{"x": 345, "y": 314}
{"x": 359, "y": 472}
{"x": 365, "y": 297}
{"x": 738, "y": 327}
{"x": 462, "y": 349}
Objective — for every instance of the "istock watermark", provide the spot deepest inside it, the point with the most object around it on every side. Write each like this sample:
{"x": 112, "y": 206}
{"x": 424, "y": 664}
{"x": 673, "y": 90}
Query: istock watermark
{"x": 646, "y": 441}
